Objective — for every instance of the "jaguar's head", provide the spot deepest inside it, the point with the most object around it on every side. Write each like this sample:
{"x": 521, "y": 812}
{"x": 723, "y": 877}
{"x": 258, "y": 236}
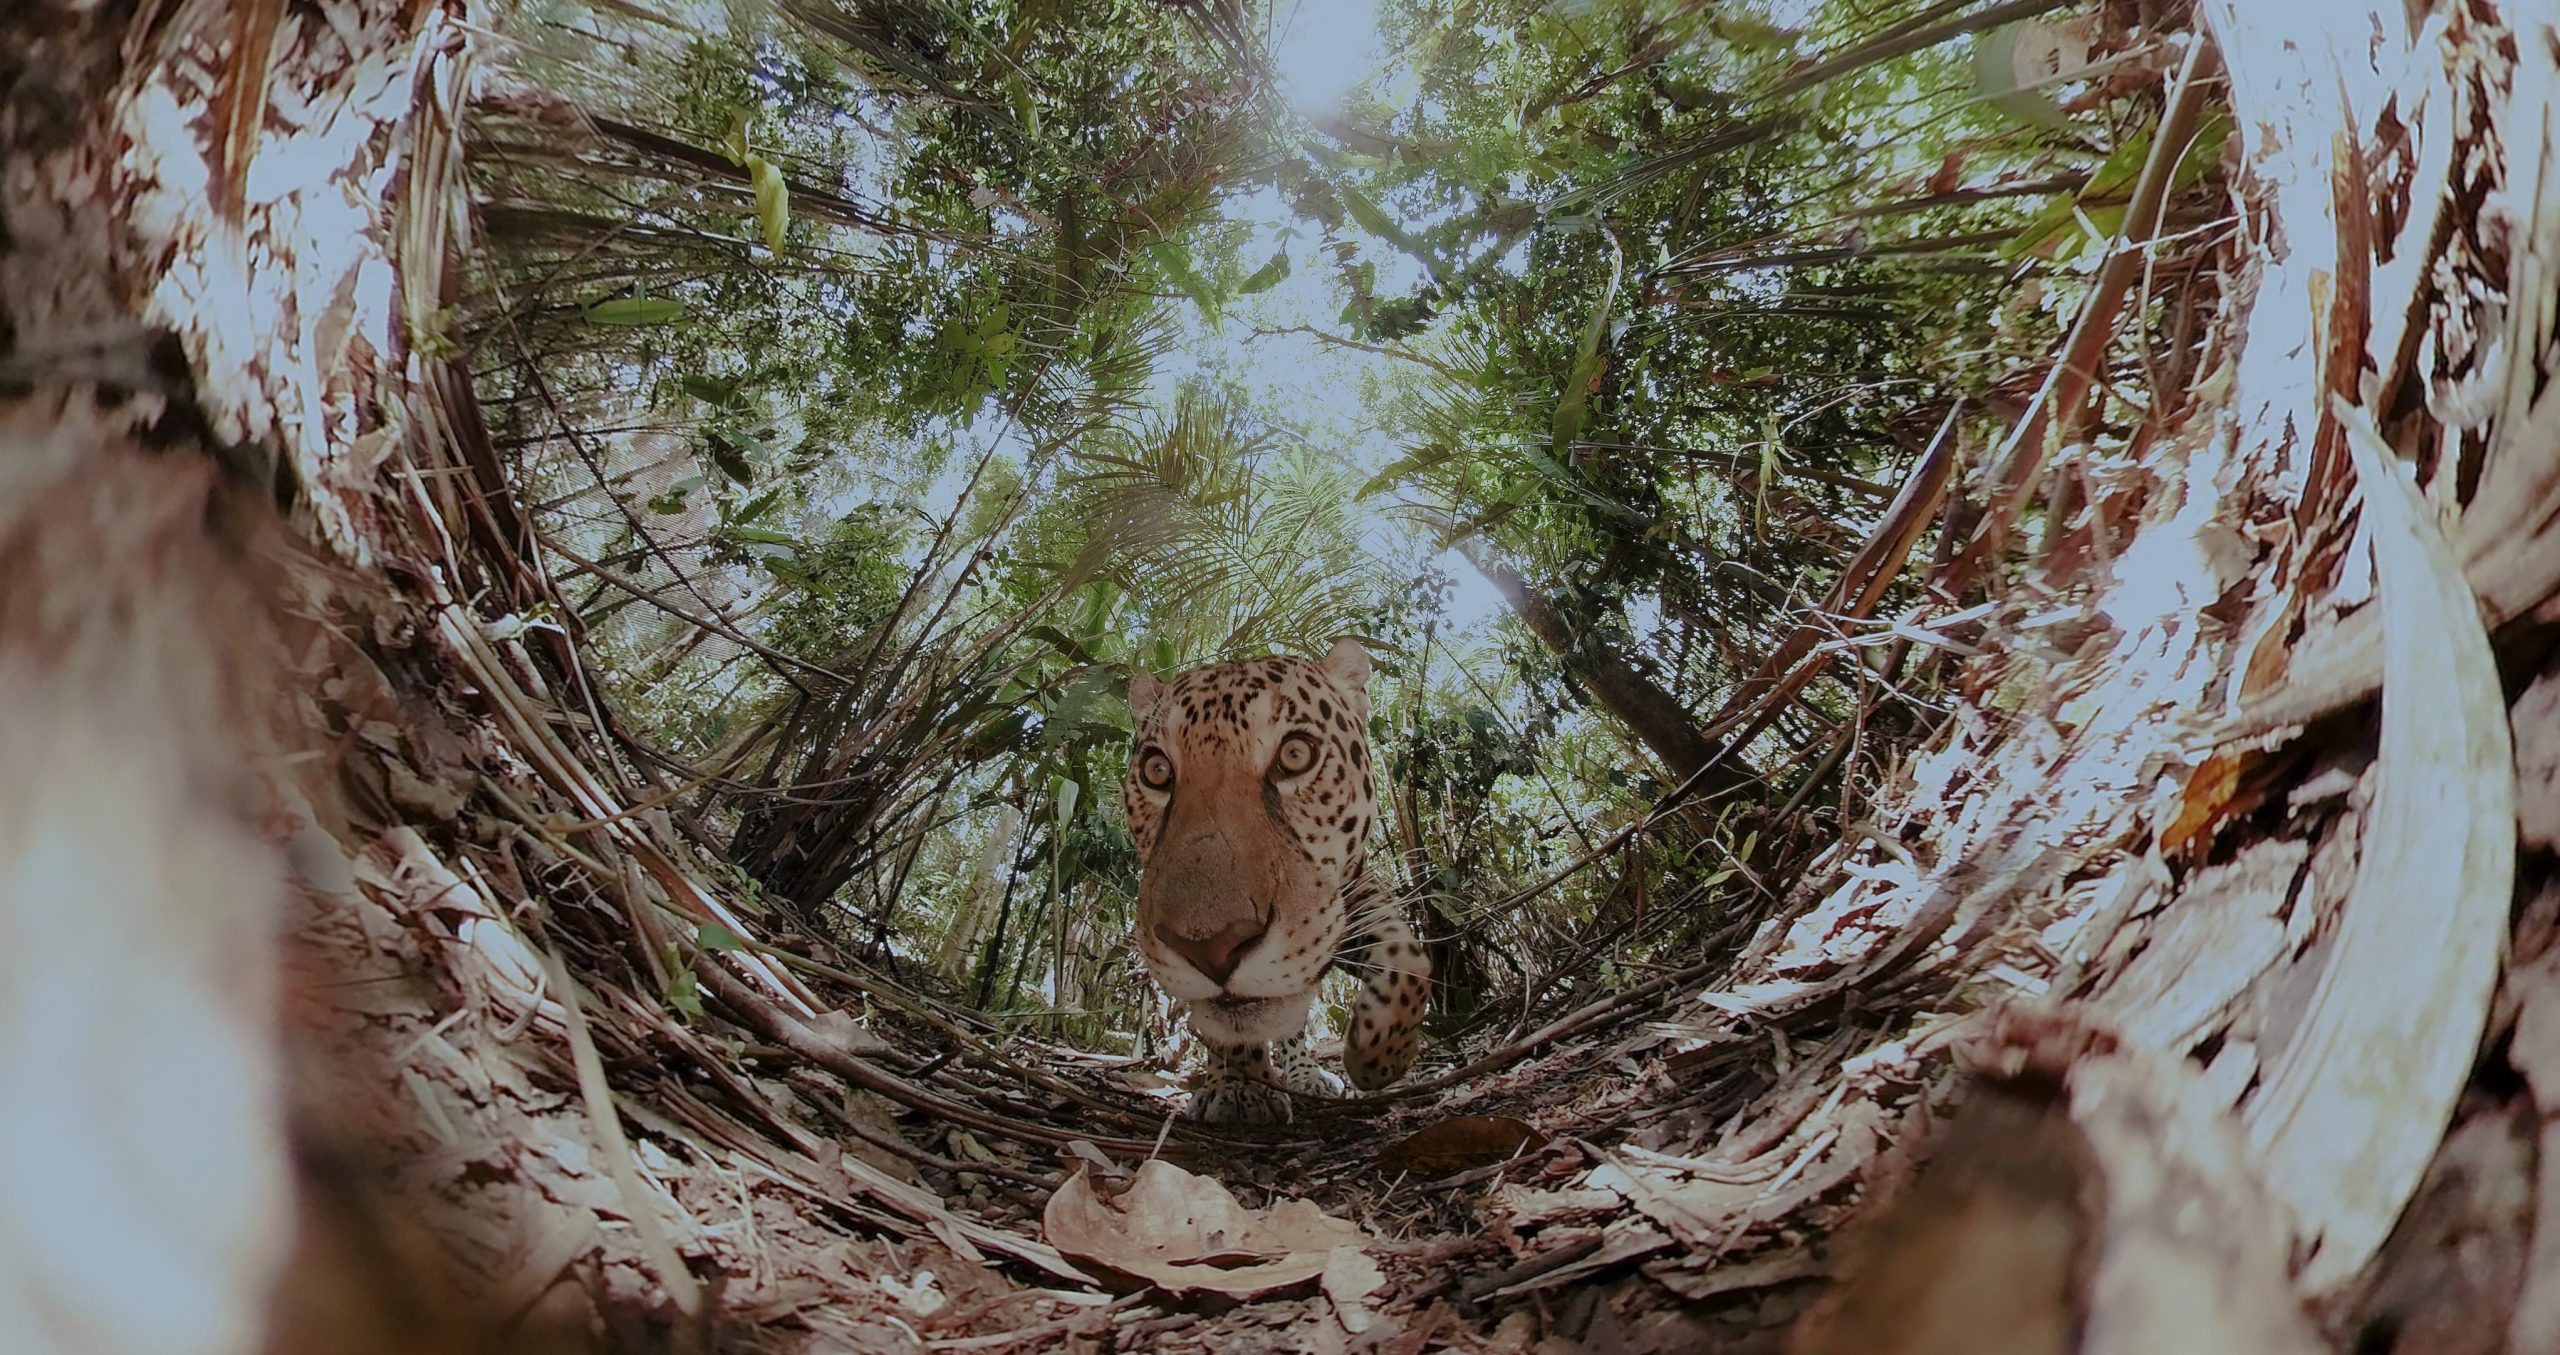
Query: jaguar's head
{"x": 1250, "y": 801}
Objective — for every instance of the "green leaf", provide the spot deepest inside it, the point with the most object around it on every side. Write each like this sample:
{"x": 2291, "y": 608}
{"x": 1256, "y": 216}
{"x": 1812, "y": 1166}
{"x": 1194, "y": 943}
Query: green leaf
{"x": 1742, "y": 30}
{"x": 1995, "y": 77}
{"x": 1062, "y": 642}
{"x": 2063, "y": 229}
{"x": 1586, "y": 363}
{"x": 636, "y": 310}
{"x": 1025, "y": 109}
{"x": 1365, "y": 212}
{"x": 713, "y": 936}
{"x": 731, "y": 459}
{"x": 2115, "y": 175}
{"x": 787, "y": 569}
{"x": 1408, "y": 465}
{"x": 1176, "y": 265}
{"x": 1267, "y": 276}
{"x": 684, "y": 993}
{"x": 713, "y": 390}
{"x": 2056, "y": 230}
{"x": 2213, "y": 131}
{"x": 996, "y": 737}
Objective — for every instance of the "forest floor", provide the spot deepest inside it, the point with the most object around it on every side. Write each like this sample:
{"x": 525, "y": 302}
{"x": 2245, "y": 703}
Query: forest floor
{"x": 2089, "y": 878}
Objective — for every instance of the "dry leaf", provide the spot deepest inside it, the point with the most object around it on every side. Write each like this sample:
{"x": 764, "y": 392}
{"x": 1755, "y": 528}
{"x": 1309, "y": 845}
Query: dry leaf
{"x": 2199, "y": 956}
{"x": 1185, "y": 1233}
{"x": 2535, "y": 1052}
{"x": 1532, "y": 1208}
{"x": 1461, "y": 1144}
{"x": 840, "y": 1029}
{"x": 2535, "y": 722}
{"x": 1350, "y": 1277}
{"x": 2212, "y": 798}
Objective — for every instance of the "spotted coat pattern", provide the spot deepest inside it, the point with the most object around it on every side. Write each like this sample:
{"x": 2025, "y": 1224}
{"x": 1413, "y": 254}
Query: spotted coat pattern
{"x": 1251, "y": 801}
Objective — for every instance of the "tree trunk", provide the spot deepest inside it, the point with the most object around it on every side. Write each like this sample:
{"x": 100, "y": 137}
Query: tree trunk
{"x": 1654, "y": 716}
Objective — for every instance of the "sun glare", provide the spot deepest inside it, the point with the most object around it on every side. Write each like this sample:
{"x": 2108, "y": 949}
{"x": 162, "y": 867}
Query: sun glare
{"x": 1268, "y": 345}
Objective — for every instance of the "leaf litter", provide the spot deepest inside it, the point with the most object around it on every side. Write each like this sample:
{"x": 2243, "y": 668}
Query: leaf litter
{"x": 1671, "y": 1186}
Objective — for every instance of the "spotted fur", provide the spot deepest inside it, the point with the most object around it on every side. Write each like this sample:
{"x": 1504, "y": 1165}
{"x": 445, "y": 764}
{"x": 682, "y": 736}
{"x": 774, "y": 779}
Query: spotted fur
{"x": 1251, "y": 801}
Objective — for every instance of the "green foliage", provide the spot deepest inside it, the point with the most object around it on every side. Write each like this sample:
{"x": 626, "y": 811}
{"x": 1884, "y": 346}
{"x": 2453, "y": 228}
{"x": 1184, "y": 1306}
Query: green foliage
{"x": 843, "y": 340}
{"x": 635, "y": 310}
{"x": 840, "y": 589}
{"x": 1224, "y": 540}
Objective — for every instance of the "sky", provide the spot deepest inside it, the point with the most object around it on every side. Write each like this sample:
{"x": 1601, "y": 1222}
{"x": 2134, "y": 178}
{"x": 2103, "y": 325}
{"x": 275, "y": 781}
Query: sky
{"x": 1321, "y": 50}
{"x": 1323, "y": 393}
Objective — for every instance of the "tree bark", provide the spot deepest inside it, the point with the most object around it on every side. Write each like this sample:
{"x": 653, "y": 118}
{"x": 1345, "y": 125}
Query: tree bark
{"x": 1654, "y": 716}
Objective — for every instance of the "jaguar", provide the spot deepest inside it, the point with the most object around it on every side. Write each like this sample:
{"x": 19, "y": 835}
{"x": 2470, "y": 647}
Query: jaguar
{"x": 1250, "y": 801}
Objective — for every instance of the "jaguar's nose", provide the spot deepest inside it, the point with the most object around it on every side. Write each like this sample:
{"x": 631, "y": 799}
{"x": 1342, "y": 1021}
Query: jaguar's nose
{"x": 1217, "y": 954}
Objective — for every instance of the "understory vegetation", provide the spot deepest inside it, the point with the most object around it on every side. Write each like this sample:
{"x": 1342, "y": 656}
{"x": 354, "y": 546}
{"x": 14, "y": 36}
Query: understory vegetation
{"x": 889, "y": 380}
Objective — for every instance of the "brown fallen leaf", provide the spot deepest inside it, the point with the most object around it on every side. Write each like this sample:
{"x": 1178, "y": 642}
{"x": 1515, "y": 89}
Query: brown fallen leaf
{"x": 1186, "y": 1234}
{"x": 2206, "y": 803}
{"x": 2229, "y": 785}
{"x": 1350, "y": 1278}
{"x": 1461, "y": 1144}
{"x": 2535, "y": 724}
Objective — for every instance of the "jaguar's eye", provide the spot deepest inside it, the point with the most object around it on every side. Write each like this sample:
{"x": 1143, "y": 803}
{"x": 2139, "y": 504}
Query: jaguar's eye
{"x": 1297, "y": 754}
{"x": 1155, "y": 770}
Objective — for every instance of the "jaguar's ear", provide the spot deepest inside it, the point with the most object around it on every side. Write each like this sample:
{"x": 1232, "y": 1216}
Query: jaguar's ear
{"x": 1348, "y": 665}
{"x": 1144, "y": 692}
